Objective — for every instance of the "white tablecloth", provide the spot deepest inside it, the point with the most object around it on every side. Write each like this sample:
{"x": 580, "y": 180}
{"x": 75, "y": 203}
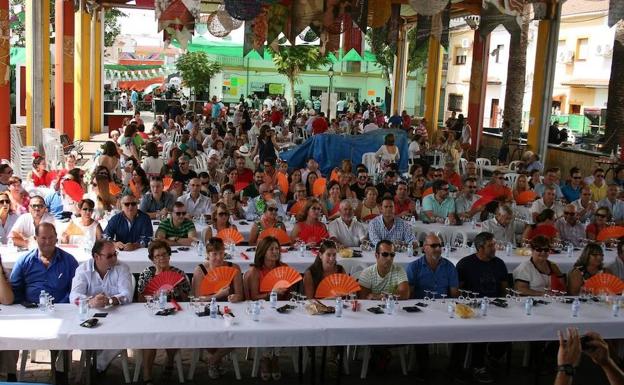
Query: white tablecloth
{"x": 133, "y": 326}
{"x": 188, "y": 260}
{"x": 422, "y": 229}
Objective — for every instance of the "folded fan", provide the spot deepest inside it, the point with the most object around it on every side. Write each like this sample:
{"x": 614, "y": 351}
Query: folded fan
{"x": 282, "y": 183}
{"x": 230, "y": 235}
{"x": 280, "y": 277}
{"x": 604, "y": 282}
{"x": 217, "y": 279}
{"x": 336, "y": 285}
{"x": 276, "y": 232}
{"x": 166, "y": 281}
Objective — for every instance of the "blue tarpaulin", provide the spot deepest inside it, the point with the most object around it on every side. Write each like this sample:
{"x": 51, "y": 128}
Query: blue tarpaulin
{"x": 330, "y": 149}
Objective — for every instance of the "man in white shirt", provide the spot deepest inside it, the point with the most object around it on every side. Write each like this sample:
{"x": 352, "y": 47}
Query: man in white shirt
{"x": 611, "y": 201}
{"x": 466, "y": 199}
{"x": 570, "y": 229}
{"x": 346, "y": 229}
{"x": 585, "y": 206}
{"x": 23, "y": 230}
{"x": 268, "y": 103}
{"x": 502, "y": 225}
{"x": 547, "y": 201}
{"x": 104, "y": 282}
{"x": 196, "y": 203}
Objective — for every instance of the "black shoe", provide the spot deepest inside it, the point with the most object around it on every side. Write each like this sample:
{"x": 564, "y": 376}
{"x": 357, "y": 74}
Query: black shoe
{"x": 11, "y": 377}
{"x": 482, "y": 376}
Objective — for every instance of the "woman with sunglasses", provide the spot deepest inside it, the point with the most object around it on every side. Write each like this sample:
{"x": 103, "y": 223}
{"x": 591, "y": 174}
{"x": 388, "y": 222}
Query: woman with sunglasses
{"x": 369, "y": 208}
{"x": 534, "y": 277}
{"x": 82, "y": 226}
{"x": 215, "y": 257}
{"x": 309, "y": 228}
{"x": 220, "y": 221}
{"x": 267, "y": 258}
{"x": 601, "y": 220}
{"x": 229, "y": 199}
{"x": 586, "y": 266}
{"x": 159, "y": 253}
{"x": 323, "y": 266}
{"x": 267, "y": 220}
{"x": 18, "y": 196}
{"x": 7, "y": 217}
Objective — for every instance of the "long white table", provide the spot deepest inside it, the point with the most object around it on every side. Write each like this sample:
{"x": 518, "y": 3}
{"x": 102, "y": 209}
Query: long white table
{"x": 188, "y": 260}
{"x": 133, "y": 326}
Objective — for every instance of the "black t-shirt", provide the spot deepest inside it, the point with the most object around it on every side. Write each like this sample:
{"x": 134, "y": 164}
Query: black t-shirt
{"x": 184, "y": 178}
{"x": 359, "y": 191}
{"x": 482, "y": 277}
{"x": 382, "y": 190}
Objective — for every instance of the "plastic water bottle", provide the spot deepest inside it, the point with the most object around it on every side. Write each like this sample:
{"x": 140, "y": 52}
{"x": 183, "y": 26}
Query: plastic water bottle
{"x": 576, "y": 307}
{"x": 162, "y": 299}
{"x": 410, "y": 249}
{"x": 201, "y": 249}
{"x": 255, "y": 311}
{"x": 273, "y": 299}
{"x": 339, "y": 303}
{"x": 569, "y": 250}
{"x": 213, "y": 308}
{"x": 232, "y": 248}
{"x": 447, "y": 221}
{"x": 390, "y": 305}
{"x": 528, "y": 306}
{"x": 302, "y": 250}
{"x": 446, "y": 251}
{"x": 450, "y": 309}
{"x": 10, "y": 244}
{"x": 83, "y": 308}
{"x": 484, "y": 307}
{"x": 43, "y": 300}
{"x": 508, "y": 249}
{"x": 615, "y": 308}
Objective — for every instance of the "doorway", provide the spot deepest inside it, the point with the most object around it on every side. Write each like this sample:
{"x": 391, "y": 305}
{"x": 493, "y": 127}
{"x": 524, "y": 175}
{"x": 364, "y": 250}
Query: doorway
{"x": 494, "y": 113}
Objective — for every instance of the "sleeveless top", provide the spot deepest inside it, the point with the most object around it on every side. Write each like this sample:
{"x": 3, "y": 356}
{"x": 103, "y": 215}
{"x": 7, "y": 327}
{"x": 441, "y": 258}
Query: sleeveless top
{"x": 266, "y": 149}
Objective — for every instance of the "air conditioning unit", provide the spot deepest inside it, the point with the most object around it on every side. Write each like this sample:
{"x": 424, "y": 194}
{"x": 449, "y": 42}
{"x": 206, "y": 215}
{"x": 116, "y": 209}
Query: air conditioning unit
{"x": 466, "y": 43}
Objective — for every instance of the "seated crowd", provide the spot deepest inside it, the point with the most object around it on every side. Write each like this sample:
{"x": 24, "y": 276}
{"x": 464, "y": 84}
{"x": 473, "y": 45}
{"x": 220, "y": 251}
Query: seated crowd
{"x": 225, "y": 174}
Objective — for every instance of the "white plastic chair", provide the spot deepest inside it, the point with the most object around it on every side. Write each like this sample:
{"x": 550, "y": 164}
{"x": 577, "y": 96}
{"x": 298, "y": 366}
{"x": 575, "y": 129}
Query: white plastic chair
{"x": 370, "y": 161}
{"x": 438, "y": 159}
{"x": 138, "y": 366}
{"x": 165, "y": 151}
{"x": 511, "y": 179}
{"x": 462, "y": 165}
{"x": 195, "y": 359}
{"x": 514, "y": 165}
{"x": 482, "y": 162}
{"x": 449, "y": 236}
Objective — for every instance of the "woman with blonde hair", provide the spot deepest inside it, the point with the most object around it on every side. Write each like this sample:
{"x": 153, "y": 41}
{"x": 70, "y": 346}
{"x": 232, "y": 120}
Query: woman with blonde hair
{"x": 521, "y": 185}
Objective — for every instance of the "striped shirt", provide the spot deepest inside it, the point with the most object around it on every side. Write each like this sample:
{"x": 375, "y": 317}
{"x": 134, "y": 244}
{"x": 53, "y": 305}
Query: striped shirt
{"x": 370, "y": 279}
{"x": 172, "y": 231}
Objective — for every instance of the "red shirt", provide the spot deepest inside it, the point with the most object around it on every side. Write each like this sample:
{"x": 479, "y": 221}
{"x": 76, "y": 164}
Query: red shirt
{"x": 276, "y": 117}
{"x": 455, "y": 180}
{"x": 245, "y": 176}
{"x": 402, "y": 207}
{"x": 319, "y": 126}
{"x": 407, "y": 121}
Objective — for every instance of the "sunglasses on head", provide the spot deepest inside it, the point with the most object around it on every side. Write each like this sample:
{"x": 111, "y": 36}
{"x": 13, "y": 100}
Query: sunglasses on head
{"x": 180, "y": 213}
{"x": 128, "y": 204}
{"x": 387, "y": 254}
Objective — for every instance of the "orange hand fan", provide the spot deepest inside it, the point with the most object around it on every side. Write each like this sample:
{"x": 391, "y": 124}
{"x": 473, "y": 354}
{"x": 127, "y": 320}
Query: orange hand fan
{"x": 336, "y": 285}
{"x": 73, "y": 229}
{"x": 613, "y": 232}
{"x": 549, "y": 231}
{"x": 230, "y": 235}
{"x": 428, "y": 191}
{"x": 482, "y": 202}
{"x": 318, "y": 188}
{"x": 282, "y": 183}
{"x": 167, "y": 182}
{"x": 605, "y": 282}
{"x": 166, "y": 281}
{"x": 113, "y": 188}
{"x": 280, "y": 234}
{"x": 526, "y": 197}
{"x": 294, "y": 210}
{"x": 217, "y": 279}
{"x": 280, "y": 277}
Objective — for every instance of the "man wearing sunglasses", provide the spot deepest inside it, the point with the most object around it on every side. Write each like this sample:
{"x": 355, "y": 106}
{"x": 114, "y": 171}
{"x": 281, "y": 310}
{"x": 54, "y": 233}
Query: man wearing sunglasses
{"x": 358, "y": 188}
{"x": 23, "y": 231}
{"x": 466, "y": 199}
{"x": 572, "y": 189}
{"x": 569, "y": 228}
{"x": 615, "y": 205}
{"x": 598, "y": 187}
{"x": 129, "y": 226}
{"x": 177, "y": 230}
{"x": 258, "y": 205}
{"x": 384, "y": 276}
{"x": 439, "y": 206}
{"x": 502, "y": 225}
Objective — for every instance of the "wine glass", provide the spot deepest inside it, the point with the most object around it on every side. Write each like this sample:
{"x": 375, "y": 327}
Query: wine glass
{"x": 443, "y": 295}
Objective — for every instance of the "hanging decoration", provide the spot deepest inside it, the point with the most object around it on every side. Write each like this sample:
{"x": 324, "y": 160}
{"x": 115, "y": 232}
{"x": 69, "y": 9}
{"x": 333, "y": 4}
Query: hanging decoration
{"x": 428, "y": 7}
{"x": 616, "y": 12}
{"x": 278, "y": 14}
{"x": 392, "y": 36}
{"x": 379, "y": 12}
{"x": 491, "y": 17}
{"x": 359, "y": 13}
{"x": 305, "y": 13}
{"x": 243, "y": 9}
{"x": 176, "y": 18}
{"x": 352, "y": 37}
{"x": 507, "y": 7}
{"x": 216, "y": 27}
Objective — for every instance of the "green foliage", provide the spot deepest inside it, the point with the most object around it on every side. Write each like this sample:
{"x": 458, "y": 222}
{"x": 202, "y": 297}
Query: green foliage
{"x": 292, "y": 61}
{"x": 112, "y": 28}
{"x": 196, "y": 69}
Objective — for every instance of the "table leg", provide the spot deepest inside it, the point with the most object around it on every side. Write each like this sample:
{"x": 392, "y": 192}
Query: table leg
{"x": 300, "y": 362}
{"x": 312, "y": 365}
{"x": 341, "y": 352}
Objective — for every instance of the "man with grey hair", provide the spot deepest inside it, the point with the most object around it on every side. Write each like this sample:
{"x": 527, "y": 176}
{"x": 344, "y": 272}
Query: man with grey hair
{"x": 466, "y": 199}
{"x": 611, "y": 201}
{"x": 547, "y": 201}
{"x": 346, "y": 229}
{"x": 569, "y": 227}
{"x": 257, "y": 205}
{"x": 502, "y": 225}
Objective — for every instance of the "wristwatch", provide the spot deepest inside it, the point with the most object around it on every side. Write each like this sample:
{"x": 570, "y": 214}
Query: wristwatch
{"x": 567, "y": 369}
{"x": 110, "y": 301}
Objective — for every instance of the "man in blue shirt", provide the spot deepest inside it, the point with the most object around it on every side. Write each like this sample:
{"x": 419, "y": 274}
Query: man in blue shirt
{"x": 46, "y": 268}
{"x": 129, "y": 226}
{"x": 389, "y": 226}
{"x": 431, "y": 272}
{"x": 572, "y": 190}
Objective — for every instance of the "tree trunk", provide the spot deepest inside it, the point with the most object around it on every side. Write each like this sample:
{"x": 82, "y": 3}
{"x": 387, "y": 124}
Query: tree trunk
{"x": 614, "y": 131}
{"x": 291, "y": 101}
{"x": 516, "y": 75}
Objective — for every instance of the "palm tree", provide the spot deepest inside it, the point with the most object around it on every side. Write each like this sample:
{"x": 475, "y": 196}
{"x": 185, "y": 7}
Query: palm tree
{"x": 614, "y": 132}
{"x": 291, "y": 61}
{"x": 516, "y": 74}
